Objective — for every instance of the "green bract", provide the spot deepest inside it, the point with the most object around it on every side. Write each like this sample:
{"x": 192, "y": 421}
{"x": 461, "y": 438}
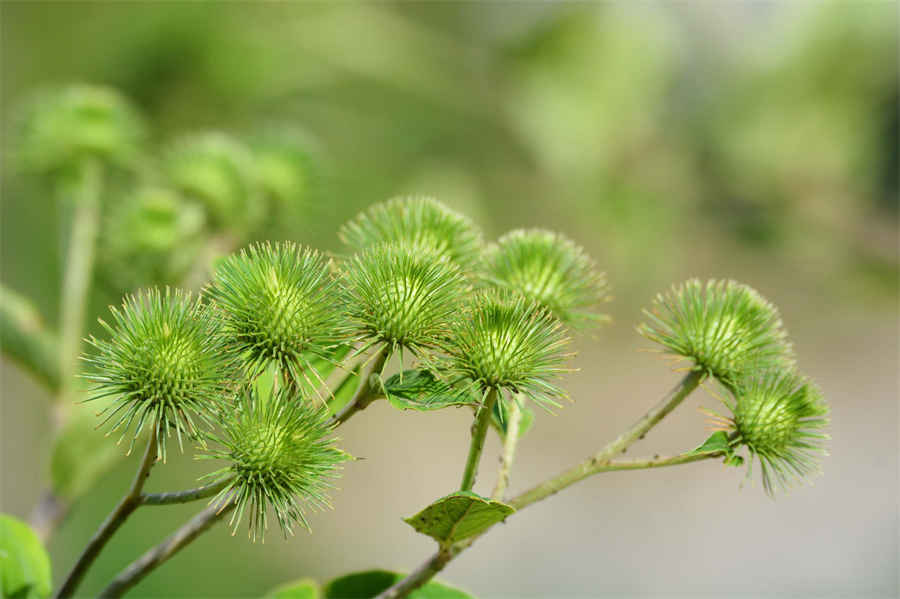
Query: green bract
{"x": 507, "y": 342}
{"x": 164, "y": 363}
{"x": 277, "y": 303}
{"x": 422, "y": 223}
{"x": 218, "y": 172}
{"x": 61, "y": 128}
{"x": 780, "y": 417}
{"x": 724, "y": 327}
{"x": 280, "y": 455}
{"x": 549, "y": 269}
{"x": 401, "y": 296}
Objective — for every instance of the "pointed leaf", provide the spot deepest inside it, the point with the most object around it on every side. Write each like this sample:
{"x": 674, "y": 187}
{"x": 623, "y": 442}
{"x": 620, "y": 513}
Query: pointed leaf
{"x": 365, "y": 585}
{"x": 500, "y": 420}
{"x": 345, "y": 390}
{"x": 24, "y": 565}
{"x": 421, "y": 390}
{"x": 718, "y": 441}
{"x": 459, "y": 516}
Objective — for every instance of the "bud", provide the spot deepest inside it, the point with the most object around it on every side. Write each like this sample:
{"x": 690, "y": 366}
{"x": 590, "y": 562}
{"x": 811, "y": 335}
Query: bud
{"x": 725, "y": 328}
{"x": 280, "y": 455}
{"x": 419, "y": 222}
{"x": 163, "y": 363}
{"x": 505, "y": 341}
{"x": 551, "y": 270}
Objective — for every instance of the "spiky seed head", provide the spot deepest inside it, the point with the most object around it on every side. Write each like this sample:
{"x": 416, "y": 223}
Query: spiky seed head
{"x": 551, "y": 270}
{"x": 60, "y": 128}
{"x": 277, "y": 305}
{"x": 420, "y": 222}
{"x": 507, "y": 342}
{"x": 725, "y": 328}
{"x": 401, "y": 296}
{"x": 155, "y": 237}
{"x": 280, "y": 455}
{"x": 163, "y": 363}
{"x": 780, "y": 417}
{"x": 218, "y": 172}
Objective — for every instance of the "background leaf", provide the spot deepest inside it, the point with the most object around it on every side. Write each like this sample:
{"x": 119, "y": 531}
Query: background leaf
{"x": 24, "y": 565}
{"x": 81, "y": 454}
{"x": 500, "y": 420}
{"x": 305, "y": 588}
{"x": 345, "y": 390}
{"x": 421, "y": 390}
{"x": 364, "y": 585}
{"x": 459, "y": 516}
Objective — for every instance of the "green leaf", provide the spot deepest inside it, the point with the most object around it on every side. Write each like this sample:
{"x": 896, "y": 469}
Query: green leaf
{"x": 365, "y": 585}
{"x": 305, "y": 588}
{"x": 421, "y": 390}
{"x": 718, "y": 441}
{"x": 325, "y": 367}
{"x": 24, "y": 565}
{"x": 500, "y": 420}
{"x": 81, "y": 454}
{"x": 459, "y": 516}
{"x": 345, "y": 390}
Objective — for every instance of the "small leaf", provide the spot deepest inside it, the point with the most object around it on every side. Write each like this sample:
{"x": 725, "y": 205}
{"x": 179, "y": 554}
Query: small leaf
{"x": 718, "y": 441}
{"x": 500, "y": 420}
{"x": 365, "y": 585}
{"x": 421, "y": 390}
{"x": 81, "y": 454}
{"x": 24, "y": 565}
{"x": 459, "y": 516}
{"x": 345, "y": 390}
{"x": 305, "y": 588}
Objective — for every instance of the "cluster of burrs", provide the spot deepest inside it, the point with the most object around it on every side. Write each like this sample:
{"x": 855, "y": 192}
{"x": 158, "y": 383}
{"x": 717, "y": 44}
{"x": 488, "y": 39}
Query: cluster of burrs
{"x": 731, "y": 333}
{"x": 483, "y": 319}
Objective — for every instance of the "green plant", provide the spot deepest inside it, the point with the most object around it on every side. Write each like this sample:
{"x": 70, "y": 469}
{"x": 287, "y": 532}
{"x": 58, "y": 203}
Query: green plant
{"x": 244, "y": 373}
{"x": 274, "y": 346}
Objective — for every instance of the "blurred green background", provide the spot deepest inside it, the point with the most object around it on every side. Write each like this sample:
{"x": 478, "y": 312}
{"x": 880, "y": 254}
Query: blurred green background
{"x": 754, "y": 141}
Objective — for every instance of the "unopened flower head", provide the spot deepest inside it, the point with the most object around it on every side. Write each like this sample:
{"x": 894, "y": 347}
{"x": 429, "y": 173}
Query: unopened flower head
{"x": 420, "y": 222}
{"x": 164, "y": 364}
{"x": 218, "y": 172}
{"x": 277, "y": 304}
{"x": 61, "y": 128}
{"x": 725, "y": 328}
{"x": 507, "y": 342}
{"x": 280, "y": 455}
{"x": 781, "y": 418}
{"x": 551, "y": 270}
{"x": 401, "y": 296}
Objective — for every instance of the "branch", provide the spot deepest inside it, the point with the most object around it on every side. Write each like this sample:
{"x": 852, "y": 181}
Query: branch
{"x": 184, "y": 496}
{"x": 26, "y": 340}
{"x": 156, "y": 556}
{"x": 127, "y": 505}
{"x": 479, "y": 432}
{"x": 510, "y": 442}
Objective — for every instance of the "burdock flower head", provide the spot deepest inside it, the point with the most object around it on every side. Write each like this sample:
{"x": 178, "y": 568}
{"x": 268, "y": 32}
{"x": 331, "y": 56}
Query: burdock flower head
{"x": 551, "y": 270}
{"x": 281, "y": 455}
{"x": 277, "y": 307}
{"x": 401, "y": 297}
{"x": 725, "y": 328}
{"x": 780, "y": 417}
{"x": 164, "y": 364}
{"x": 420, "y": 222}
{"x": 506, "y": 342}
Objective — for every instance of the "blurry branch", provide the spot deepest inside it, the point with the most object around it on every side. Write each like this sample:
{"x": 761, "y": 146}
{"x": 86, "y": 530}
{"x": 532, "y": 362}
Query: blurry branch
{"x": 25, "y": 339}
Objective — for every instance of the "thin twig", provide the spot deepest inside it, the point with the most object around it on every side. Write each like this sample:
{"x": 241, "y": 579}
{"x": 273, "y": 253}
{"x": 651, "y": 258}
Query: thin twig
{"x": 510, "y": 442}
{"x": 156, "y": 556}
{"x": 127, "y": 505}
{"x": 184, "y": 496}
{"x": 479, "y": 432}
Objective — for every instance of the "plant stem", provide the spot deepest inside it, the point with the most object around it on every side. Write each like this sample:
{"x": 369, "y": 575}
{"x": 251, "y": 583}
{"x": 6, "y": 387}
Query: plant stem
{"x": 602, "y": 458}
{"x": 26, "y": 340}
{"x": 479, "y": 432}
{"x": 156, "y": 556}
{"x": 366, "y": 392}
{"x": 127, "y": 505}
{"x": 510, "y": 442}
{"x": 599, "y": 462}
{"x": 184, "y": 496}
